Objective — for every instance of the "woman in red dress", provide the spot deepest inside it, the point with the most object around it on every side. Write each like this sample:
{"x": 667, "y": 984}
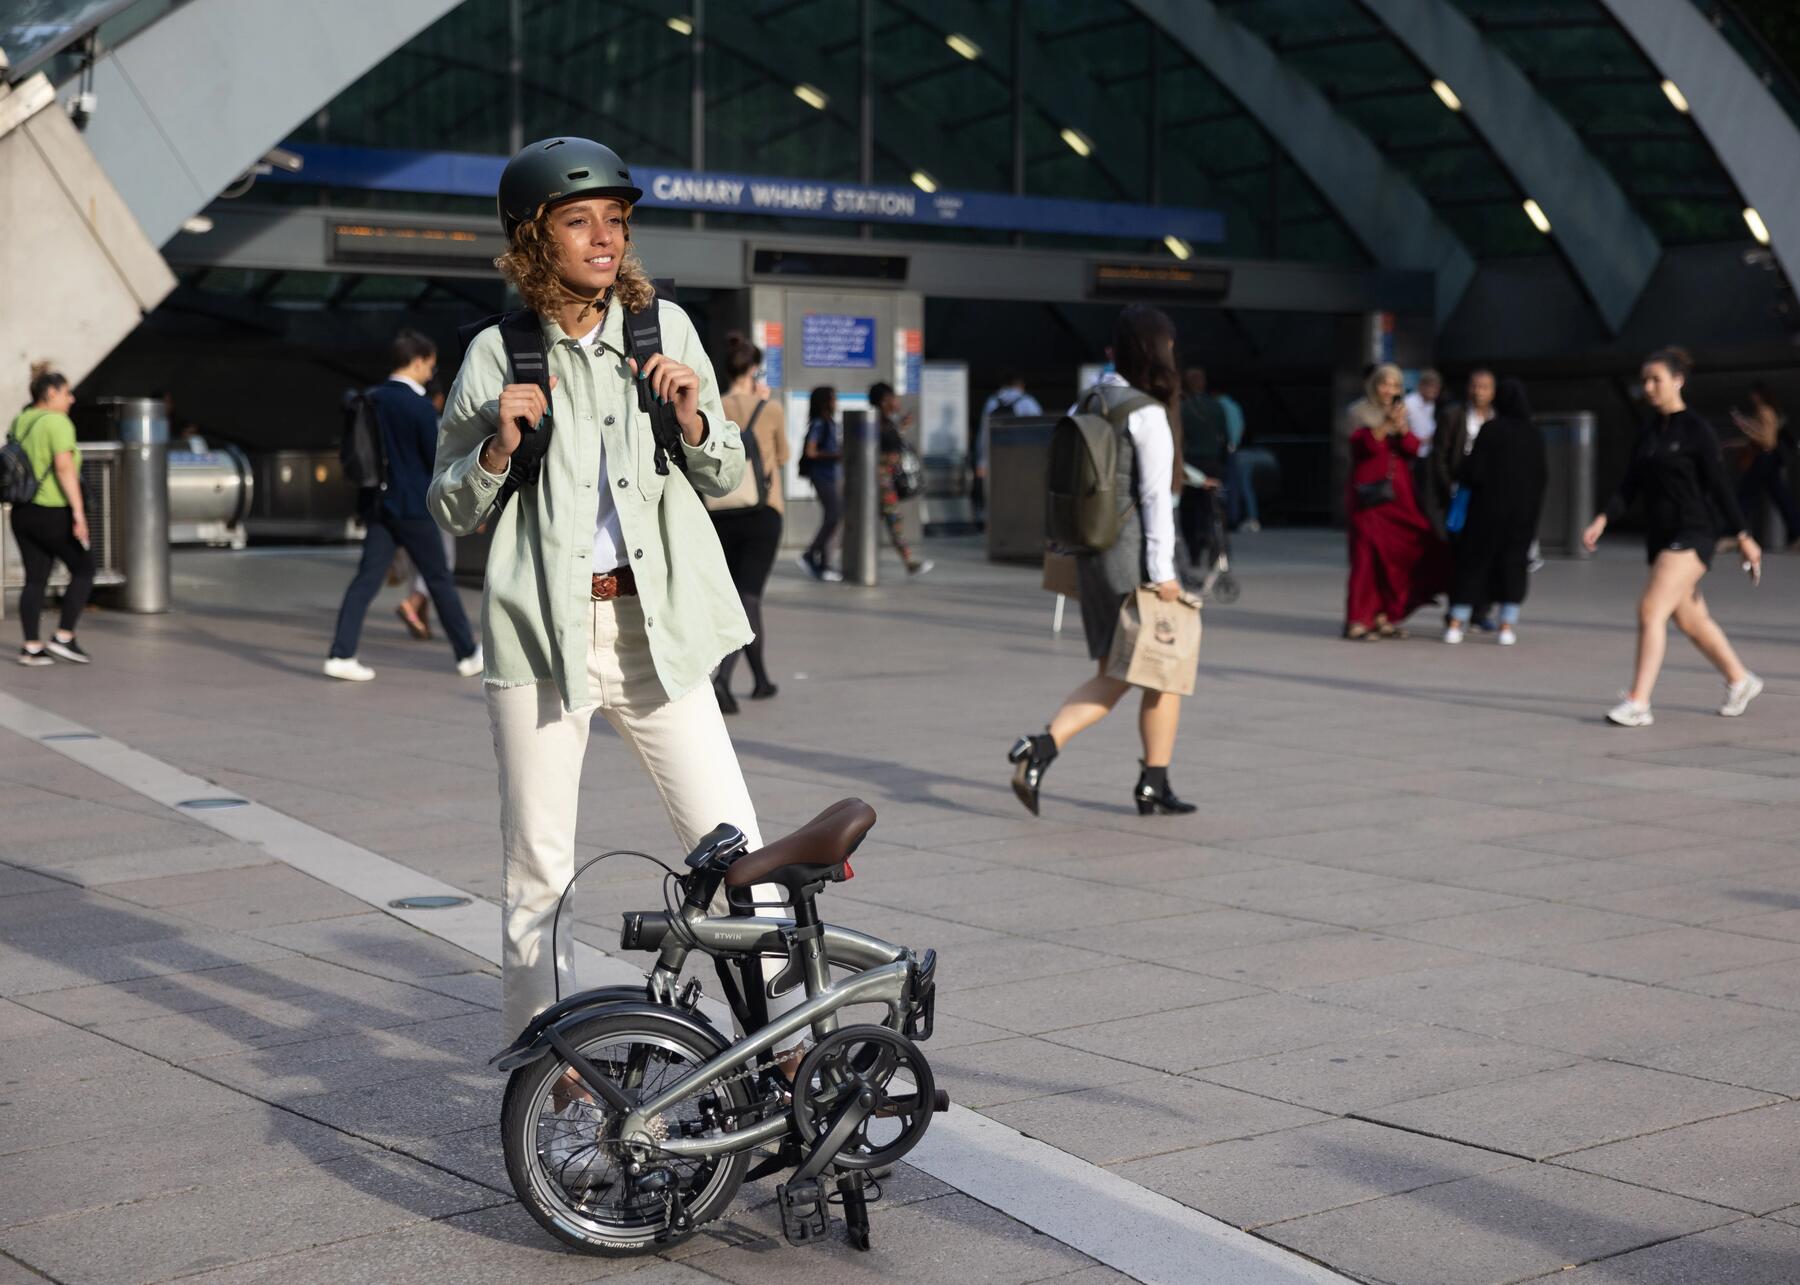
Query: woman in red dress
{"x": 1397, "y": 563}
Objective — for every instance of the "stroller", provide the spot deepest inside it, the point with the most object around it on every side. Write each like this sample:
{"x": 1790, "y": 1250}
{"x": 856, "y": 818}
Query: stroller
{"x": 1208, "y": 541}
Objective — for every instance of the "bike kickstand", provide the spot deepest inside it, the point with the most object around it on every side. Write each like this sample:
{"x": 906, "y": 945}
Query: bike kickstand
{"x": 856, "y": 1210}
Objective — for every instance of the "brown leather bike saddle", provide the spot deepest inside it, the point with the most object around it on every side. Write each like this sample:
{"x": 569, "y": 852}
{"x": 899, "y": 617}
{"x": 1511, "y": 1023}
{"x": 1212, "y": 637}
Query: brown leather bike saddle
{"x": 810, "y": 854}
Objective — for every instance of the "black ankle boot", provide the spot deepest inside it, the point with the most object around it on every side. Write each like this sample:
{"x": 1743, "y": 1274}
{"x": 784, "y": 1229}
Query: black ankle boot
{"x": 763, "y": 690}
{"x": 1154, "y": 795}
{"x": 727, "y": 702}
{"x": 1033, "y": 755}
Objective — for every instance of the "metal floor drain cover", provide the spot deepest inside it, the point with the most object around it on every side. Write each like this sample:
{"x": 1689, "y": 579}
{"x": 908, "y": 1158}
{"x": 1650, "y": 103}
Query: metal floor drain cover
{"x": 427, "y": 903}
{"x": 71, "y": 736}
{"x": 212, "y": 805}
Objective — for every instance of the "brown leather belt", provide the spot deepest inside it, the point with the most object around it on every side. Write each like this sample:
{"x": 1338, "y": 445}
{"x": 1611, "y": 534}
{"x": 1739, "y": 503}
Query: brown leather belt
{"x": 617, "y": 583}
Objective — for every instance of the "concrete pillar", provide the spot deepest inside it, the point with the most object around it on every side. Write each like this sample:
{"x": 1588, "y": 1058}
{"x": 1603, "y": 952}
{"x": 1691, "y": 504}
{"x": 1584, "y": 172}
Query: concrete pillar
{"x": 862, "y": 497}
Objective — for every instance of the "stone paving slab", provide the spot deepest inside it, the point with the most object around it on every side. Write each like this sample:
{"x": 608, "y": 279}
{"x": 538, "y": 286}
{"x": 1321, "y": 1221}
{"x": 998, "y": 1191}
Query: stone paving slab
{"x": 1210, "y": 1034}
{"x": 1759, "y": 1058}
{"x": 1494, "y": 1228}
{"x": 1754, "y": 1251}
{"x": 1748, "y": 1161}
{"x": 1256, "y": 1181}
{"x": 1551, "y": 1112}
{"x": 1147, "y": 1117}
{"x": 1669, "y": 954}
{"x": 1121, "y": 992}
{"x": 1358, "y": 1073}
{"x": 189, "y": 1231}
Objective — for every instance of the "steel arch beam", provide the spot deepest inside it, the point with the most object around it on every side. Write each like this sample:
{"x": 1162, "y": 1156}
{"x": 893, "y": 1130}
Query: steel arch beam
{"x": 1377, "y": 202}
{"x": 1748, "y": 130}
{"x": 192, "y": 100}
{"x": 1608, "y": 248}
{"x": 1074, "y": 100}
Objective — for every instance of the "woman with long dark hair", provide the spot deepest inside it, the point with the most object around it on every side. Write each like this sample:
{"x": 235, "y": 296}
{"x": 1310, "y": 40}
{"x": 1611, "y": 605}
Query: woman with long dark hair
{"x": 51, "y": 526}
{"x": 1141, "y": 390}
{"x": 1504, "y": 475}
{"x": 1677, "y": 468}
{"x": 748, "y": 519}
{"x": 1397, "y": 563}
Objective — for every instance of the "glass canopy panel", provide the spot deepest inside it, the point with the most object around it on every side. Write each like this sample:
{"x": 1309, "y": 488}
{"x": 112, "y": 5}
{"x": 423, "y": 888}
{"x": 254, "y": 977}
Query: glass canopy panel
{"x": 1603, "y": 86}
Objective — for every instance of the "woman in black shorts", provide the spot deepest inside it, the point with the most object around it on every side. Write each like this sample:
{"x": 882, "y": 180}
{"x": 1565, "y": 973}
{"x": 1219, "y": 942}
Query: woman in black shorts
{"x": 1677, "y": 468}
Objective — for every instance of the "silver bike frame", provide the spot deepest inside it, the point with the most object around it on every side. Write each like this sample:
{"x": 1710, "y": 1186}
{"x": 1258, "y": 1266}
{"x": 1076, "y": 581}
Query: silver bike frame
{"x": 884, "y": 984}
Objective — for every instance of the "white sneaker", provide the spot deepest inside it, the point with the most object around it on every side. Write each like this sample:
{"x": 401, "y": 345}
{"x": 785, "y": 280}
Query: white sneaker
{"x": 1507, "y": 637}
{"x": 1629, "y": 713}
{"x": 830, "y": 576}
{"x": 348, "y": 668}
{"x": 805, "y": 564}
{"x": 920, "y": 568}
{"x": 470, "y": 666}
{"x": 1738, "y": 695}
{"x": 1453, "y": 633}
{"x": 1252, "y": 526}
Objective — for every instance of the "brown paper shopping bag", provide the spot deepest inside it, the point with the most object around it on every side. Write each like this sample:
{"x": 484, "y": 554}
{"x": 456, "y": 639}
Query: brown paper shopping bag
{"x": 1059, "y": 574}
{"x": 1157, "y": 643}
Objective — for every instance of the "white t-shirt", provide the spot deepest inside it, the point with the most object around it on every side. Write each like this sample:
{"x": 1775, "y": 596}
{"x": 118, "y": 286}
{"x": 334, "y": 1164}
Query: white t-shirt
{"x": 1475, "y": 422}
{"x": 609, "y": 537}
{"x": 1421, "y": 415}
{"x": 1154, "y": 441}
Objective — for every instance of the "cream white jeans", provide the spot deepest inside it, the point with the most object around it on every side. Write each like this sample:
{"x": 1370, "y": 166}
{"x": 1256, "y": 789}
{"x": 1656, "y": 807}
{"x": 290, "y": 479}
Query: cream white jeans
{"x": 682, "y": 744}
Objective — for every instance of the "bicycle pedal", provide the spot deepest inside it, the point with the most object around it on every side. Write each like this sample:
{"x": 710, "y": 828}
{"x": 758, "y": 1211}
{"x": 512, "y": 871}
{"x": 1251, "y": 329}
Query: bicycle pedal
{"x": 804, "y": 1215}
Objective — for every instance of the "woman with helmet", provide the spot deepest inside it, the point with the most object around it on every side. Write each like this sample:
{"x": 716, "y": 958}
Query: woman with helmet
{"x": 606, "y": 588}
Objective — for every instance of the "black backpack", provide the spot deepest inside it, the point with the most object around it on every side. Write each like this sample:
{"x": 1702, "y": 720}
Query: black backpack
{"x": 18, "y": 482}
{"x": 522, "y": 335}
{"x": 360, "y": 450}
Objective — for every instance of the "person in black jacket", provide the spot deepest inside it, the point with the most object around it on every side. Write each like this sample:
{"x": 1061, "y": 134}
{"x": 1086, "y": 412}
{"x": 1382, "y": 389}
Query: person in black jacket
{"x": 399, "y": 518}
{"x": 1504, "y": 475}
{"x": 1677, "y": 468}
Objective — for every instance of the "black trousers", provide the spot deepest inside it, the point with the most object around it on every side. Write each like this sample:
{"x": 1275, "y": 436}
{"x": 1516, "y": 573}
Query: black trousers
{"x": 831, "y": 512}
{"x": 419, "y": 537}
{"x": 46, "y": 536}
{"x": 750, "y": 538}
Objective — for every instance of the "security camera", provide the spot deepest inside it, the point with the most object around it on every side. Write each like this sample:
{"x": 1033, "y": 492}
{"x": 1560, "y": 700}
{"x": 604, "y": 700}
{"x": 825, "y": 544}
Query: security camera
{"x": 282, "y": 159}
{"x": 82, "y": 107}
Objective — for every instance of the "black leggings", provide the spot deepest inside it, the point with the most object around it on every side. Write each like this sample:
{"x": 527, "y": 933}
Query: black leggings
{"x": 46, "y": 536}
{"x": 751, "y": 538}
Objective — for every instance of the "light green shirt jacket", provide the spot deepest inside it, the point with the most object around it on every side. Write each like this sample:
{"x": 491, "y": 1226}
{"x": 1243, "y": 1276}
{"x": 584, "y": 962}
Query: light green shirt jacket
{"x": 535, "y": 613}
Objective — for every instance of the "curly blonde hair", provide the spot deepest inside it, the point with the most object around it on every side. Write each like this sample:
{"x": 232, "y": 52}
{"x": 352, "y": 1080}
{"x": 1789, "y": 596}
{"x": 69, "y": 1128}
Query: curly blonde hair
{"x": 529, "y": 266}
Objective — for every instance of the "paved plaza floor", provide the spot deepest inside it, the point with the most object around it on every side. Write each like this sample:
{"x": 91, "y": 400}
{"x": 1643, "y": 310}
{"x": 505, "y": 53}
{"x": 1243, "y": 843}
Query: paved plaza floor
{"x": 1446, "y": 982}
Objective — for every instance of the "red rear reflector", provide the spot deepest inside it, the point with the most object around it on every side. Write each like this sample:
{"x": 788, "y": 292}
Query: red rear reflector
{"x": 848, "y": 872}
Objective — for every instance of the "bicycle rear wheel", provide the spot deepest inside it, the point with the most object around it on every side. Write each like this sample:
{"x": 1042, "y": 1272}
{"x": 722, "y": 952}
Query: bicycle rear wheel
{"x": 568, "y": 1175}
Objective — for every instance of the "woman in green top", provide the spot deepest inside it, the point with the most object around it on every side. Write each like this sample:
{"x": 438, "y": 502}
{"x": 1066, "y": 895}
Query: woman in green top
{"x": 606, "y": 590}
{"x": 52, "y": 525}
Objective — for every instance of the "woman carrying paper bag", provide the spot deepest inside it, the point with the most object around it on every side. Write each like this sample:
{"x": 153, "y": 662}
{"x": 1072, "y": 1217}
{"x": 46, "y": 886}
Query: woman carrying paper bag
{"x": 1111, "y": 582}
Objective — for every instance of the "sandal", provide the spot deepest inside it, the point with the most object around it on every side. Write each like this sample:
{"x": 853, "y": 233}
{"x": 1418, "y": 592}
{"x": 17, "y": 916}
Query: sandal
{"x": 414, "y": 625}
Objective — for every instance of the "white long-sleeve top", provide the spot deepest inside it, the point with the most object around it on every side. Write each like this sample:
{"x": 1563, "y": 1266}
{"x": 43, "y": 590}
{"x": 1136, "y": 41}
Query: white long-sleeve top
{"x": 1154, "y": 441}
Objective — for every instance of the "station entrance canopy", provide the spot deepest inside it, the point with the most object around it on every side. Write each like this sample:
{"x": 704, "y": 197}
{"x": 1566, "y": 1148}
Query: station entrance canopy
{"x": 465, "y": 174}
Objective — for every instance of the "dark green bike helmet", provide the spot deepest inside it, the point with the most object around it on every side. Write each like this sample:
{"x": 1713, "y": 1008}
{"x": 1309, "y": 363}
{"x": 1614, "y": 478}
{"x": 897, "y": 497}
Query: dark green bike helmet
{"x": 561, "y": 169}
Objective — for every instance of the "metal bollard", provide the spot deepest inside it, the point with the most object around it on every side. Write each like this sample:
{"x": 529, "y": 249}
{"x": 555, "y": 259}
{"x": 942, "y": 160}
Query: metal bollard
{"x": 862, "y": 497}
{"x": 143, "y": 515}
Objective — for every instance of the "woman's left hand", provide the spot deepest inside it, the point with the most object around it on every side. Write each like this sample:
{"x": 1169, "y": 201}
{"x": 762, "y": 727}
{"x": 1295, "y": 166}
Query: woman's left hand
{"x": 679, "y": 386}
{"x": 1169, "y": 590}
{"x": 1751, "y": 552}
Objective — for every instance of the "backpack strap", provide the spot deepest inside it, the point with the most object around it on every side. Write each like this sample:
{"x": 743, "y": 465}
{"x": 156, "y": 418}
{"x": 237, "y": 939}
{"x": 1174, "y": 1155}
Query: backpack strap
{"x": 643, "y": 340}
{"x": 753, "y": 455}
{"x": 522, "y": 335}
{"x": 1116, "y": 402}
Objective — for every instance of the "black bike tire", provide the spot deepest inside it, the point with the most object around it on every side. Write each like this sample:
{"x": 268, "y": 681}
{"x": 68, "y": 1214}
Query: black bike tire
{"x": 515, "y": 1121}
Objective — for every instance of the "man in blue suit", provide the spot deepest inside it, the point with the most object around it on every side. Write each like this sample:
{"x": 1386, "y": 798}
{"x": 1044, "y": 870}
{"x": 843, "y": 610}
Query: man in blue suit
{"x": 397, "y": 517}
